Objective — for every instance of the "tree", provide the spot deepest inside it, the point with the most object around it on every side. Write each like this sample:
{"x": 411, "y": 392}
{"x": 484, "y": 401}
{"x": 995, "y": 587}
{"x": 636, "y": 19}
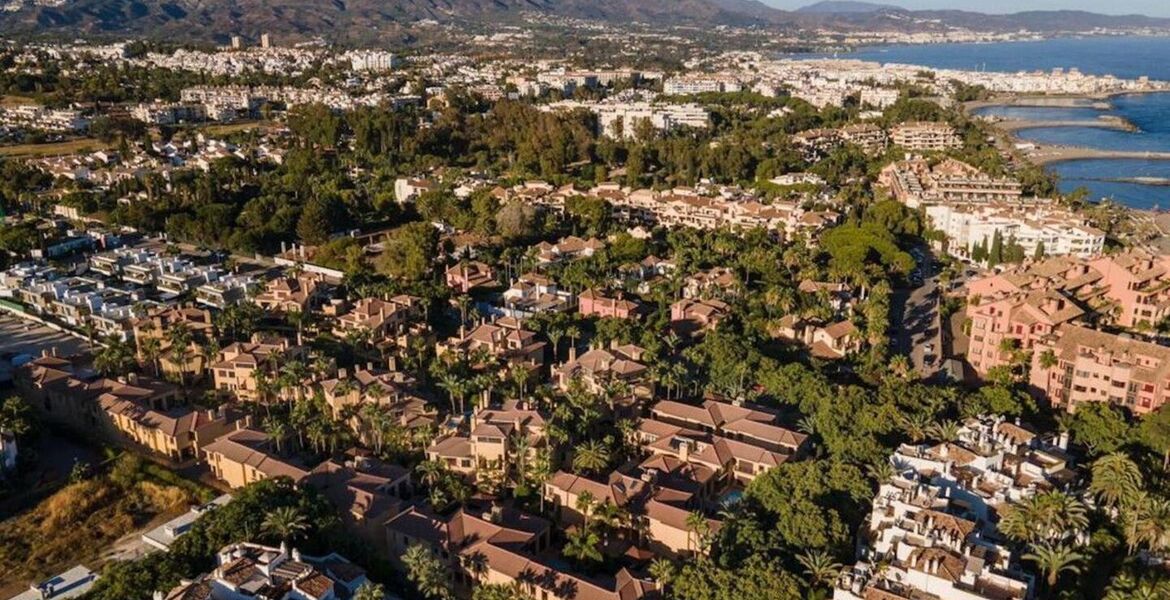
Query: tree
{"x": 1099, "y": 427}
{"x": 1116, "y": 479}
{"x": 500, "y": 591}
{"x": 1154, "y": 432}
{"x": 115, "y": 359}
{"x": 316, "y": 222}
{"x": 819, "y": 567}
{"x": 583, "y": 545}
{"x": 285, "y": 523}
{"x": 591, "y": 457}
{"x": 410, "y": 251}
{"x": 370, "y": 591}
{"x": 1054, "y": 560}
{"x": 16, "y": 417}
{"x": 428, "y": 574}
{"x": 516, "y": 220}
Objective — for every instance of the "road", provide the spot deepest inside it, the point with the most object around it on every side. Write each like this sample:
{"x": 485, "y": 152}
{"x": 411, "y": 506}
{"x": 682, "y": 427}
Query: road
{"x": 915, "y": 319}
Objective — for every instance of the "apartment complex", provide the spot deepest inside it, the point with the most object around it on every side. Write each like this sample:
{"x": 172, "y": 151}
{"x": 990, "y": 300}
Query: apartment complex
{"x": 932, "y": 529}
{"x": 1075, "y": 365}
{"x": 925, "y": 137}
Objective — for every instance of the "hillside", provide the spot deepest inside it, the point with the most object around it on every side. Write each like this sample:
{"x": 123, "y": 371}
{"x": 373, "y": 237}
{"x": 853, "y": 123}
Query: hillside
{"x": 217, "y": 20}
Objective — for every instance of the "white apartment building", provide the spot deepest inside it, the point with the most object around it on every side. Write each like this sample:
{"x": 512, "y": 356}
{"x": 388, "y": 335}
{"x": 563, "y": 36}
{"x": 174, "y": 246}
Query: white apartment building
{"x": 1062, "y": 232}
{"x": 925, "y": 137}
{"x": 931, "y": 532}
{"x": 700, "y": 84}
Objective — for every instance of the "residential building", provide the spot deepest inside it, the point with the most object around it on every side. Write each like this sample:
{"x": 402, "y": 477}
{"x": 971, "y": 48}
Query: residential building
{"x": 246, "y": 456}
{"x": 692, "y": 317}
{"x": 291, "y": 294}
{"x": 73, "y": 583}
{"x": 504, "y": 340}
{"x": 932, "y": 527}
{"x": 925, "y": 136}
{"x": 243, "y": 368}
{"x": 601, "y": 370}
{"x": 510, "y": 546}
{"x": 592, "y": 303}
{"x": 1074, "y": 365}
{"x": 468, "y": 275}
{"x": 826, "y": 341}
{"x": 532, "y": 294}
{"x": 246, "y": 570}
{"x": 489, "y": 447}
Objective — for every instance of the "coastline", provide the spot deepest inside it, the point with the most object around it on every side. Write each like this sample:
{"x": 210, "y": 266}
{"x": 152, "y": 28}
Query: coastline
{"x": 1049, "y": 154}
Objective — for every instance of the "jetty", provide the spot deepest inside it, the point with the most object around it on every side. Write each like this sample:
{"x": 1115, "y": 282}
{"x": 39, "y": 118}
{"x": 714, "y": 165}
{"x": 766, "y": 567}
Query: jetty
{"x": 1116, "y": 123}
{"x": 1044, "y": 155}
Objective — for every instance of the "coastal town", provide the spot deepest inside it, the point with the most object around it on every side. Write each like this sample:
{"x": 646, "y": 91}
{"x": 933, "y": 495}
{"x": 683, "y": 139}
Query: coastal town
{"x": 288, "y": 320}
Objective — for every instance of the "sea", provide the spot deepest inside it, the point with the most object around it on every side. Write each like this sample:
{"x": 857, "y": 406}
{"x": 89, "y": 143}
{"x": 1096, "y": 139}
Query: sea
{"x": 1139, "y": 183}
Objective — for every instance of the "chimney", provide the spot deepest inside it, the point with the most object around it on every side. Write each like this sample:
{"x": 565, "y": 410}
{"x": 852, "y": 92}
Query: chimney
{"x": 572, "y": 352}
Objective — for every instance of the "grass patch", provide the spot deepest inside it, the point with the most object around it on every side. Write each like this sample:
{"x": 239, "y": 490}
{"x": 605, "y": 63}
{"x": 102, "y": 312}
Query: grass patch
{"x": 52, "y": 148}
{"x": 83, "y": 518}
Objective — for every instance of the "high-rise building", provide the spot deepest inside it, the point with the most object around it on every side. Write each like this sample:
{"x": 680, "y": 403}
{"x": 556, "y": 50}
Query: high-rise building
{"x": 237, "y": 43}
{"x": 265, "y": 41}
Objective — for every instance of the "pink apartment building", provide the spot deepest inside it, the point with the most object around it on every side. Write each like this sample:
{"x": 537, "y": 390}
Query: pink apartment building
{"x": 1021, "y": 316}
{"x": 1076, "y": 365}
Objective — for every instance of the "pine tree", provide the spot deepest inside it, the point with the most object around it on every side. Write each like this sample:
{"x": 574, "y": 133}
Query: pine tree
{"x": 995, "y": 255}
{"x": 314, "y": 225}
{"x": 1039, "y": 253}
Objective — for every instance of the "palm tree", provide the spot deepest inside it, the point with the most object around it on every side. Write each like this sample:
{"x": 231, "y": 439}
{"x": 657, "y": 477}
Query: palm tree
{"x": 276, "y": 429}
{"x": 285, "y": 523}
{"x": 431, "y": 471}
{"x": 520, "y": 377}
{"x": 582, "y": 545}
{"x": 427, "y": 573}
{"x": 1116, "y": 478}
{"x": 151, "y": 348}
{"x": 819, "y": 567}
{"x": 944, "y": 431}
{"x": 591, "y": 457}
{"x": 370, "y": 591}
{"x": 1054, "y": 560}
{"x": 115, "y": 359}
{"x": 585, "y": 503}
{"x": 1148, "y": 522}
{"x": 698, "y": 526}
{"x": 663, "y": 571}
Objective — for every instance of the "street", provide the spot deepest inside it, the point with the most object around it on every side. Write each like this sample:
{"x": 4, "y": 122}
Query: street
{"x": 915, "y": 318}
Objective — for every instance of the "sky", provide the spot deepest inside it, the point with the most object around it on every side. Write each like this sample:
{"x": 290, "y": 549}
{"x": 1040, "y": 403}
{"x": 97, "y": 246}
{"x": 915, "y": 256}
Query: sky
{"x": 1155, "y": 8}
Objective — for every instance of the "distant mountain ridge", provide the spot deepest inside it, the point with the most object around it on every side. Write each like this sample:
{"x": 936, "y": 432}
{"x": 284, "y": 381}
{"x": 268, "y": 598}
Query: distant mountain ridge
{"x": 846, "y": 7}
{"x": 217, "y": 20}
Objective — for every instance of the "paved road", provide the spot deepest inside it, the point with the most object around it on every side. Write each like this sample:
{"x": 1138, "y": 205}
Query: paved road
{"x": 915, "y": 320}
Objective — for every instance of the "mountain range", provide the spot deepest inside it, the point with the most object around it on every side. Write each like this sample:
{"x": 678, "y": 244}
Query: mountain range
{"x": 216, "y": 20}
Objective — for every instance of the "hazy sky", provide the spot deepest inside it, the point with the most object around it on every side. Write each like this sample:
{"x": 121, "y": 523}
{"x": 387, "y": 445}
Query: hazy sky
{"x": 1157, "y": 8}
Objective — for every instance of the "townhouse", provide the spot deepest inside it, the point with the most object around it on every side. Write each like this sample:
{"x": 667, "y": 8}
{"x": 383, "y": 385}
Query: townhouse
{"x": 504, "y": 546}
{"x": 393, "y": 392}
{"x": 245, "y": 456}
{"x": 365, "y": 491}
{"x": 504, "y": 340}
{"x": 378, "y": 318}
{"x": 135, "y": 409}
{"x": 159, "y": 324}
{"x": 469, "y": 275}
{"x": 298, "y": 293}
{"x": 593, "y": 303}
{"x": 601, "y": 368}
{"x": 493, "y": 442}
{"x": 243, "y": 368}
{"x": 693, "y": 317}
